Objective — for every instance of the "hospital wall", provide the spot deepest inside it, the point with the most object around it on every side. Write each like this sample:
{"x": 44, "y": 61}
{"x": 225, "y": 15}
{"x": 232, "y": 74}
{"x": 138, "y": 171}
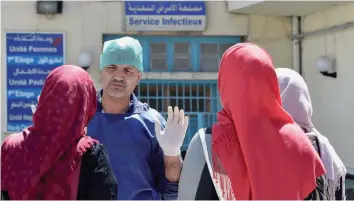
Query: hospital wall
{"x": 84, "y": 23}
{"x": 333, "y": 99}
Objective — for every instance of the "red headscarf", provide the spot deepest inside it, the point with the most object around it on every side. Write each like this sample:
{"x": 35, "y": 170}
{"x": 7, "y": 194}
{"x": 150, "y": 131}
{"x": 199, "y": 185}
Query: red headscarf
{"x": 43, "y": 162}
{"x": 256, "y": 144}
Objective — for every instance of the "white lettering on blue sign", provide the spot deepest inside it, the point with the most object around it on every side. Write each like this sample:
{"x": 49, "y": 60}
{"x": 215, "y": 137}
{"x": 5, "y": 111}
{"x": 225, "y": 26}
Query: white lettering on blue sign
{"x": 29, "y": 59}
{"x": 22, "y": 49}
{"x": 21, "y": 94}
{"x": 165, "y": 16}
{"x": 20, "y": 60}
{"x": 36, "y": 60}
{"x": 14, "y": 128}
{"x": 22, "y": 104}
{"x": 30, "y": 71}
{"x": 25, "y": 82}
{"x": 165, "y": 21}
{"x": 19, "y": 117}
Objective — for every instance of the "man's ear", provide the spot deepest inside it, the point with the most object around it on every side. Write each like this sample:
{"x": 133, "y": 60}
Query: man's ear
{"x": 140, "y": 75}
{"x": 100, "y": 78}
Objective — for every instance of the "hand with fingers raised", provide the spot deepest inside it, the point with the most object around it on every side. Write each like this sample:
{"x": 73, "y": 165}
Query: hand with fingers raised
{"x": 171, "y": 138}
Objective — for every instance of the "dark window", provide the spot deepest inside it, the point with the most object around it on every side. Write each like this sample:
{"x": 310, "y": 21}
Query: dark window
{"x": 182, "y": 56}
{"x": 158, "y": 59}
{"x": 210, "y": 56}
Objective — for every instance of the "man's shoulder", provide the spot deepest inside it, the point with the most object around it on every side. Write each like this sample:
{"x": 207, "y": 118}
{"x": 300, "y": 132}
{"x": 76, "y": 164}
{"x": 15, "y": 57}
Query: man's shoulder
{"x": 151, "y": 113}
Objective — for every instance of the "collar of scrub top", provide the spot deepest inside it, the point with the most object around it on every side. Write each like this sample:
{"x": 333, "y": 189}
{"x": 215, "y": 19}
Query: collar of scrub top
{"x": 135, "y": 106}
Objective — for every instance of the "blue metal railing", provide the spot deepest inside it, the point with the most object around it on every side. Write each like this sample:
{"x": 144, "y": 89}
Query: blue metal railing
{"x": 199, "y": 99}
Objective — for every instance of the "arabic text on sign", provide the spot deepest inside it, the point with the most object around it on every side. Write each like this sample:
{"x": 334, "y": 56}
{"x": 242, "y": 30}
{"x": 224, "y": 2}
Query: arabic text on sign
{"x": 31, "y": 38}
{"x": 159, "y": 8}
{"x": 32, "y": 71}
{"x": 22, "y": 104}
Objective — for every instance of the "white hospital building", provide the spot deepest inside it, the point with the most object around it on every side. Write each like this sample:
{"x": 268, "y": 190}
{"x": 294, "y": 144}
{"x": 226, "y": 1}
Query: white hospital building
{"x": 182, "y": 45}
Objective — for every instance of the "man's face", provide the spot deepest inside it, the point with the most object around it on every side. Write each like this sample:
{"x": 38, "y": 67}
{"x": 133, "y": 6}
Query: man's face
{"x": 119, "y": 80}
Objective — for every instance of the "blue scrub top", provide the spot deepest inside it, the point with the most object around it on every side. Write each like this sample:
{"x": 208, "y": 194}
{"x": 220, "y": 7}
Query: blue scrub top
{"x": 134, "y": 153}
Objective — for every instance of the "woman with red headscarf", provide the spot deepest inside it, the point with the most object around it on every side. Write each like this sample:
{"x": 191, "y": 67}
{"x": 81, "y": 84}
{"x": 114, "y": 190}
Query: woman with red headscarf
{"x": 53, "y": 159}
{"x": 256, "y": 151}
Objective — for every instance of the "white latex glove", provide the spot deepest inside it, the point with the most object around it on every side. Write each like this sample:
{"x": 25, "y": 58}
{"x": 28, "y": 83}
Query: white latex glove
{"x": 33, "y": 107}
{"x": 171, "y": 138}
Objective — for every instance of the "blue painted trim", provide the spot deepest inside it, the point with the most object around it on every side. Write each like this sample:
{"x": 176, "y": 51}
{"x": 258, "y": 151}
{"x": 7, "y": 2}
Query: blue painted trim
{"x": 170, "y": 51}
{"x": 146, "y": 55}
{"x": 195, "y": 42}
{"x": 195, "y": 55}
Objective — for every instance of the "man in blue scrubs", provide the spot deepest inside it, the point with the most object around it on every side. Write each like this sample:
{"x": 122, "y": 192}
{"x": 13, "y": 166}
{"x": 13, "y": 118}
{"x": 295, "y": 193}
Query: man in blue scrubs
{"x": 143, "y": 148}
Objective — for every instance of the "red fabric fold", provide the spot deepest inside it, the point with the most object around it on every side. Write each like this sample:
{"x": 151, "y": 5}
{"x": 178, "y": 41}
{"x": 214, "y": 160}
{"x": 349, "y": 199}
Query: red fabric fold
{"x": 256, "y": 143}
{"x": 43, "y": 161}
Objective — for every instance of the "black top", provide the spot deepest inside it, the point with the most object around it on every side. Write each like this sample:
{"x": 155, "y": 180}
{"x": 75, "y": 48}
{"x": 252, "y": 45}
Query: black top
{"x": 97, "y": 180}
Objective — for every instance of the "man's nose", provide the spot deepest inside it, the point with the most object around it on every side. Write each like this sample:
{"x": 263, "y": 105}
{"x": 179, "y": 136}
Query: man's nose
{"x": 118, "y": 77}
{"x": 119, "y": 72}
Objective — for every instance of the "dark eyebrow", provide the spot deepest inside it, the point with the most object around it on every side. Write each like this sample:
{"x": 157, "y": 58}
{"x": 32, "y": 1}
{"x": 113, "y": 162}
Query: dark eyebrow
{"x": 132, "y": 68}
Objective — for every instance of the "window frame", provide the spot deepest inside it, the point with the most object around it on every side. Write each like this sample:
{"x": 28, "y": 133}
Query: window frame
{"x": 158, "y": 55}
{"x": 195, "y": 48}
{"x": 213, "y": 56}
{"x": 179, "y": 55}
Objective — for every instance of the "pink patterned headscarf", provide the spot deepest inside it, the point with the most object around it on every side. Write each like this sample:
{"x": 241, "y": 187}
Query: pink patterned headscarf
{"x": 43, "y": 162}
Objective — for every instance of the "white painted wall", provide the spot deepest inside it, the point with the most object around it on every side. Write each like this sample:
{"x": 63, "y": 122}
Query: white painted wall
{"x": 84, "y": 22}
{"x": 333, "y": 99}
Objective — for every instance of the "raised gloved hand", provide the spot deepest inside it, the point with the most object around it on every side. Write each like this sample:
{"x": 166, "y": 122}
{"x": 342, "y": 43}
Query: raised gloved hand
{"x": 33, "y": 107}
{"x": 171, "y": 138}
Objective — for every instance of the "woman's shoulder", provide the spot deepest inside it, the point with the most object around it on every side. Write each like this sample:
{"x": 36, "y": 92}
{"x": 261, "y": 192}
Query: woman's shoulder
{"x": 95, "y": 149}
{"x": 95, "y": 153}
{"x": 95, "y": 156}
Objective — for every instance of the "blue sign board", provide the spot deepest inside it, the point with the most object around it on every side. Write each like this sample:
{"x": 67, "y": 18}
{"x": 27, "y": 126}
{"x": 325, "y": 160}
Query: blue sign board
{"x": 165, "y": 15}
{"x": 29, "y": 58}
